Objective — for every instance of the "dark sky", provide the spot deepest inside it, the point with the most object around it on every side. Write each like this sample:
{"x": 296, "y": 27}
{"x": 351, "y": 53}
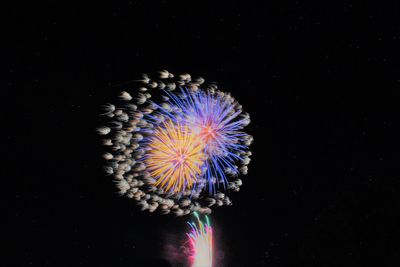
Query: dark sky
{"x": 320, "y": 80}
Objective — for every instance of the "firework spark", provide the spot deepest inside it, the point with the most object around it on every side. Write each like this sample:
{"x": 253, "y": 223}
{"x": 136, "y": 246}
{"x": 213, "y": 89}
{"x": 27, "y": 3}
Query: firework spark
{"x": 201, "y": 243}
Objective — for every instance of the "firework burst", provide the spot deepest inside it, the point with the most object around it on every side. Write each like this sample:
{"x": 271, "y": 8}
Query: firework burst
{"x": 217, "y": 119}
{"x": 174, "y": 157}
{"x": 173, "y": 138}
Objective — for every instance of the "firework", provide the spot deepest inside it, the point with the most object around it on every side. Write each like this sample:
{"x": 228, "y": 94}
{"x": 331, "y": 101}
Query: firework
{"x": 201, "y": 243}
{"x": 175, "y": 157}
{"x": 173, "y": 138}
{"x": 217, "y": 119}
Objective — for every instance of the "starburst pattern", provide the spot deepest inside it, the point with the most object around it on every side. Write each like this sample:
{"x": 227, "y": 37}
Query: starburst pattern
{"x": 175, "y": 156}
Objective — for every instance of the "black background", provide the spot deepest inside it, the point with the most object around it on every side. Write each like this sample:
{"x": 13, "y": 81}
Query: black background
{"x": 320, "y": 80}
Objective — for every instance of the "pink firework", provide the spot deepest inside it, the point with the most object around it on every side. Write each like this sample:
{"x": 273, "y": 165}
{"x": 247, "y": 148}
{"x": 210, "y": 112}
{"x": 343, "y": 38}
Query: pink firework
{"x": 201, "y": 243}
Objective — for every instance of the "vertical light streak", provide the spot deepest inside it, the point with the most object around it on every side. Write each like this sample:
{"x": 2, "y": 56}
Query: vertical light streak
{"x": 201, "y": 242}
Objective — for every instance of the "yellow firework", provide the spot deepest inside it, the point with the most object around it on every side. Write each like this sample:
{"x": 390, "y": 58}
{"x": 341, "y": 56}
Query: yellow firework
{"x": 175, "y": 157}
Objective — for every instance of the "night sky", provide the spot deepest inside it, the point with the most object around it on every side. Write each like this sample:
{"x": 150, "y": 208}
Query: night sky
{"x": 320, "y": 80}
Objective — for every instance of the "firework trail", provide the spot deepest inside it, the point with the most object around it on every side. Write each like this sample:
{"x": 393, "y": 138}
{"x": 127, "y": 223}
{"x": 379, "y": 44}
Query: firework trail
{"x": 176, "y": 144}
{"x": 201, "y": 243}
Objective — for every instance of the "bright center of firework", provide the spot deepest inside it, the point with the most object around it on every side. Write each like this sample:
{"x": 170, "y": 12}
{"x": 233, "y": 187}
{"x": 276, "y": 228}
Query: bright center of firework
{"x": 210, "y": 137}
{"x": 175, "y": 157}
{"x": 180, "y": 158}
{"x": 208, "y": 133}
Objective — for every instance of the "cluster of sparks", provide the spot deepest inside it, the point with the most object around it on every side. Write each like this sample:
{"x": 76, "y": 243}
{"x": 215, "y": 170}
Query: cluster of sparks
{"x": 180, "y": 153}
{"x": 175, "y": 157}
{"x": 201, "y": 243}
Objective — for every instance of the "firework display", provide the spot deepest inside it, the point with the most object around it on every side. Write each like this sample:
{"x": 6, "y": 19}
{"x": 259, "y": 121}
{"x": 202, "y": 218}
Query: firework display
{"x": 176, "y": 144}
{"x": 201, "y": 243}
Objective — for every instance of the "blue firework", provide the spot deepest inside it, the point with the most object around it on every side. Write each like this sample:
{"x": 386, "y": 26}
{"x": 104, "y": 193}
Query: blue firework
{"x": 218, "y": 119}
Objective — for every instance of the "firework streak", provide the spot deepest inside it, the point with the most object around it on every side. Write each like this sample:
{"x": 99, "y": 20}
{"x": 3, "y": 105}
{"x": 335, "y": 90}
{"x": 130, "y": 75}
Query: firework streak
{"x": 201, "y": 243}
{"x": 176, "y": 144}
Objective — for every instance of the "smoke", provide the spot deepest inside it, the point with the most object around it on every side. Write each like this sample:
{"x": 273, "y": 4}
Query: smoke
{"x": 176, "y": 250}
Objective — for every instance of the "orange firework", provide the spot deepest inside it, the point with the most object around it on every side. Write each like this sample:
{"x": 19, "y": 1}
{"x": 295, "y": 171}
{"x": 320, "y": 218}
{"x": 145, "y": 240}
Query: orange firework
{"x": 175, "y": 157}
